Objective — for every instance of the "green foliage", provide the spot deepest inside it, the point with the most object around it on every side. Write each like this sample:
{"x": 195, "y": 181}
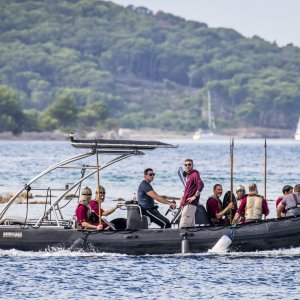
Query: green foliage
{"x": 31, "y": 120}
{"x": 93, "y": 114}
{"x": 87, "y": 63}
{"x": 11, "y": 116}
{"x": 62, "y": 112}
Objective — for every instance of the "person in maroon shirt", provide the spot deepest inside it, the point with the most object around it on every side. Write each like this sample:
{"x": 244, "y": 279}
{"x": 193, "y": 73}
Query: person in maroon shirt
{"x": 95, "y": 209}
{"x": 287, "y": 189}
{"x": 190, "y": 199}
{"x": 214, "y": 207}
{"x": 253, "y": 206}
{"x": 83, "y": 211}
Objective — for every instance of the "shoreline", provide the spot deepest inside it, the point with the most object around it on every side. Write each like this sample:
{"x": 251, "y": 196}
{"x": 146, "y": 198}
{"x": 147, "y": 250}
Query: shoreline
{"x": 148, "y": 133}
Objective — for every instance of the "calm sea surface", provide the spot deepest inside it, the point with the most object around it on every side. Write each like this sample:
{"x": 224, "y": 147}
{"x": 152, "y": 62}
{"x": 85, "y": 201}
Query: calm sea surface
{"x": 61, "y": 274}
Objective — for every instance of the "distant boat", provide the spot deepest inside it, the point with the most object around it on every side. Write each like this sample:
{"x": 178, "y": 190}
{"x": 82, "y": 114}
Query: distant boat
{"x": 197, "y": 134}
{"x": 202, "y": 134}
{"x": 207, "y": 134}
{"x": 297, "y": 133}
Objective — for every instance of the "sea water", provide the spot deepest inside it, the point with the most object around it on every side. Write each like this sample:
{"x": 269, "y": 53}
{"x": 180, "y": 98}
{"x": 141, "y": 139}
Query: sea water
{"x": 58, "y": 274}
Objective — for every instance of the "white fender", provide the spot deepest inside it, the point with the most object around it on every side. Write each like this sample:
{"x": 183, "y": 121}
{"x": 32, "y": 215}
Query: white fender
{"x": 223, "y": 244}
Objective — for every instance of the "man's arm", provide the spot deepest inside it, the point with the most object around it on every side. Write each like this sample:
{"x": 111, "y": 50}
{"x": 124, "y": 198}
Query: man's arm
{"x": 200, "y": 186}
{"x": 223, "y": 212}
{"x": 241, "y": 209}
{"x": 87, "y": 225}
{"x": 265, "y": 207}
{"x": 280, "y": 209}
{"x": 235, "y": 218}
{"x": 160, "y": 199}
{"x": 110, "y": 211}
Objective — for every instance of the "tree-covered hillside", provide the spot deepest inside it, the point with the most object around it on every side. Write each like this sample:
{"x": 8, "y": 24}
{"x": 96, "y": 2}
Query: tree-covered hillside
{"x": 89, "y": 63}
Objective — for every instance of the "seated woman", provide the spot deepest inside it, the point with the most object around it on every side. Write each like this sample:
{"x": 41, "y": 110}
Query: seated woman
{"x": 94, "y": 218}
{"x": 83, "y": 211}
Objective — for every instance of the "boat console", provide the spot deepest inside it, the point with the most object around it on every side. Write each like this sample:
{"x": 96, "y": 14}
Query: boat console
{"x": 135, "y": 219}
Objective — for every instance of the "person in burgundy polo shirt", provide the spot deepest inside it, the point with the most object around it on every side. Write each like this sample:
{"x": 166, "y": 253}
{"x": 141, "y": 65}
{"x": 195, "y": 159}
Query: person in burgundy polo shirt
{"x": 214, "y": 207}
{"x": 190, "y": 199}
{"x": 287, "y": 189}
{"x": 253, "y": 206}
{"x": 83, "y": 211}
{"x": 95, "y": 209}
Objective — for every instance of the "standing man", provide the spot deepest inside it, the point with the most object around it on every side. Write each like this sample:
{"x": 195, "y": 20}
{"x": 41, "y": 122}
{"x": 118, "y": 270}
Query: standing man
{"x": 146, "y": 196}
{"x": 214, "y": 207}
{"x": 253, "y": 206}
{"x": 190, "y": 199}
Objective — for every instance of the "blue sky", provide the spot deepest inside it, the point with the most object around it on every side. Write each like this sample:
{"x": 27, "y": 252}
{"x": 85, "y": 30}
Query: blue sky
{"x": 273, "y": 20}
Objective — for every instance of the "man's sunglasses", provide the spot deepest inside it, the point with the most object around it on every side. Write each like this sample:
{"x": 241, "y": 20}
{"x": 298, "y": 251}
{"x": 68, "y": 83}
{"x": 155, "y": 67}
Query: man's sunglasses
{"x": 151, "y": 174}
{"x": 187, "y": 165}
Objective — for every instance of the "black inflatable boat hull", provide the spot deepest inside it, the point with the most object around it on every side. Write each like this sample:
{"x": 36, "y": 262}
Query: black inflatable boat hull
{"x": 264, "y": 235}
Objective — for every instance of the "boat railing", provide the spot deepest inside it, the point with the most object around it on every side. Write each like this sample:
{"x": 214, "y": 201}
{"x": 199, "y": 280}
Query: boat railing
{"x": 122, "y": 148}
{"x": 13, "y": 221}
{"x": 73, "y": 186}
{"x": 27, "y": 186}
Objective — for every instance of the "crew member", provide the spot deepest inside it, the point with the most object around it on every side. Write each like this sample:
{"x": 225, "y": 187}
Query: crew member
{"x": 95, "y": 209}
{"x": 287, "y": 189}
{"x": 291, "y": 203}
{"x": 214, "y": 207}
{"x": 253, "y": 206}
{"x": 190, "y": 199}
{"x": 240, "y": 193}
{"x": 146, "y": 196}
{"x": 83, "y": 211}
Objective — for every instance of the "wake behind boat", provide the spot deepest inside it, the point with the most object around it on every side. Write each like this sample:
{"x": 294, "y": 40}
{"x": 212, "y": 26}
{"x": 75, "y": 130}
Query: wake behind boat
{"x": 130, "y": 235}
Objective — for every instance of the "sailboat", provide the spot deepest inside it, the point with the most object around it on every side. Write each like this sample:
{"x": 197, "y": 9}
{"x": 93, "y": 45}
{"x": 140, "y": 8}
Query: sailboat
{"x": 297, "y": 133}
{"x": 204, "y": 134}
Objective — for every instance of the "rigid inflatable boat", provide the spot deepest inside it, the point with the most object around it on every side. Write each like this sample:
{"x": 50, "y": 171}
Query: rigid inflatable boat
{"x": 130, "y": 235}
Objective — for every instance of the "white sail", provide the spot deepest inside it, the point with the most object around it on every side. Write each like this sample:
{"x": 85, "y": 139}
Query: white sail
{"x": 207, "y": 134}
{"x": 297, "y": 133}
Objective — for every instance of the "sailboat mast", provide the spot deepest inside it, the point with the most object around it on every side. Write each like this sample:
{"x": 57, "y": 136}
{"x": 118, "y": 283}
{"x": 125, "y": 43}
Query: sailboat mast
{"x": 209, "y": 109}
{"x": 297, "y": 133}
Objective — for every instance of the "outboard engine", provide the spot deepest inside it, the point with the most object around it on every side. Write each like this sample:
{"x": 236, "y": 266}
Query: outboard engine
{"x": 135, "y": 219}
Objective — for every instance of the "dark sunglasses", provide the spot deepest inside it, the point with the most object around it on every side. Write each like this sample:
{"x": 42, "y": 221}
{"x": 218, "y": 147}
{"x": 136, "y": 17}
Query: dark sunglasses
{"x": 187, "y": 165}
{"x": 87, "y": 194}
{"x": 151, "y": 174}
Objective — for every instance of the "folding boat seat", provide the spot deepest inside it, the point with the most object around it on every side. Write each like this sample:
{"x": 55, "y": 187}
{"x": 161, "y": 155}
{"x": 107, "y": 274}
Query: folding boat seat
{"x": 201, "y": 217}
{"x": 135, "y": 219}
